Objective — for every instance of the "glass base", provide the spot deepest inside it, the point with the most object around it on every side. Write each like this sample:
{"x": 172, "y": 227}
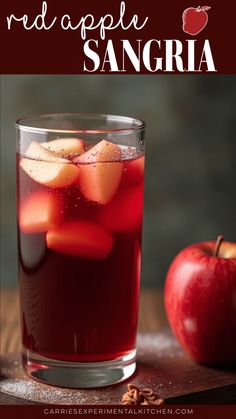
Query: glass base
{"x": 78, "y": 374}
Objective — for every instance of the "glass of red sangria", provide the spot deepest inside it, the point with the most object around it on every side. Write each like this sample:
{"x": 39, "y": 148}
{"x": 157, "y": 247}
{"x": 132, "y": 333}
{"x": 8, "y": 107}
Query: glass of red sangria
{"x": 80, "y": 181}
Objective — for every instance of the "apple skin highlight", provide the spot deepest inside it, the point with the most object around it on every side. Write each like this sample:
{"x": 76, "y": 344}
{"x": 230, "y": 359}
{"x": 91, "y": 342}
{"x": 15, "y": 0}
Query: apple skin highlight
{"x": 200, "y": 301}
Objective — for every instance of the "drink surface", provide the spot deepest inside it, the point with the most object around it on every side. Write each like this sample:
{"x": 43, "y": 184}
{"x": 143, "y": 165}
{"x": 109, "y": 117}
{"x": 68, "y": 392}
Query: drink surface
{"x": 80, "y": 221}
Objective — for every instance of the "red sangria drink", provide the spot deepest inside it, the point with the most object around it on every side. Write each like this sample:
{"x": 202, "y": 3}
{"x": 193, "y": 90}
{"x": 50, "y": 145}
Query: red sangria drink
{"x": 80, "y": 181}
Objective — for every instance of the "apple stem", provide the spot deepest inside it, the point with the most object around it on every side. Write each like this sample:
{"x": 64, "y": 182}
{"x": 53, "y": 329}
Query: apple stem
{"x": 205, "y": 8}
{"x": 202, "y": 8}
{"x": 218, "y": 243}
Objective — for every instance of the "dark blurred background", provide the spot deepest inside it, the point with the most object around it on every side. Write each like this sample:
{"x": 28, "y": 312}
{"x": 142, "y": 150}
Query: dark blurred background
{"x": 190, "y": 192}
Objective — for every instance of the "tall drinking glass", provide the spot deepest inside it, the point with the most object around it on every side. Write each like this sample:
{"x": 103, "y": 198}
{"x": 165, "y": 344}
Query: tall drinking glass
{"x": 80, "y": 181}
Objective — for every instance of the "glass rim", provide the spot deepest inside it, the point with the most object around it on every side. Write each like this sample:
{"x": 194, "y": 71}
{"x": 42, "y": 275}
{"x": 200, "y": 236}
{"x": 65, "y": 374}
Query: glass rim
{"x": 25, "y": 123}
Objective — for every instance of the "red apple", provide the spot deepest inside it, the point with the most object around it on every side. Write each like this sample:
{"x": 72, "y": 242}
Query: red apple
{"x": 195, "y": 19}
{"x": 200, "y": 300}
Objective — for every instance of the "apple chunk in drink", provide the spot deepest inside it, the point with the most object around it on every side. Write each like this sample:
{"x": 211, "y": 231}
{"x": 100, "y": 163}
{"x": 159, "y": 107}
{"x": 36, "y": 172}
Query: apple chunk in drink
{"x": 80, "y": 219}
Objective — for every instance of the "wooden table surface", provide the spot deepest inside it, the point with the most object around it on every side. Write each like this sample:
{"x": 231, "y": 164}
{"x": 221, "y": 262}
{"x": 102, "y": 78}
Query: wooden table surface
{"x": 183, "y": 380}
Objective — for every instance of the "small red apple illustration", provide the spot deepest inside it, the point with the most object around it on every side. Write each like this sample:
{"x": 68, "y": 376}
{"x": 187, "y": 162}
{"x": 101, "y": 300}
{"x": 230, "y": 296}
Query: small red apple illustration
{"x": 195, "y": 19}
